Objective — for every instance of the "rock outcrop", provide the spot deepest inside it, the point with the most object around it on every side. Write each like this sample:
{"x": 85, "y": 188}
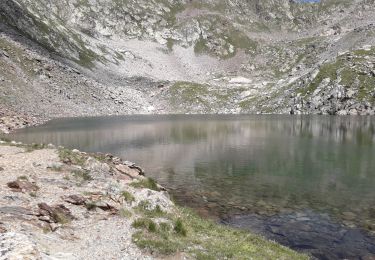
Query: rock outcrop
{"x": 78, "y": 58}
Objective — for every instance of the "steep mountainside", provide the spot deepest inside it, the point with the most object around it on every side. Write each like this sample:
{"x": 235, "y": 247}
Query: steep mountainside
{"x": 96, "y": 57}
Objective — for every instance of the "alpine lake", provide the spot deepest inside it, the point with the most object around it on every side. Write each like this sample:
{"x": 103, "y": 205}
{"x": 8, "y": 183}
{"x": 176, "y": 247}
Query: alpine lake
{"x": 307, "y": 182}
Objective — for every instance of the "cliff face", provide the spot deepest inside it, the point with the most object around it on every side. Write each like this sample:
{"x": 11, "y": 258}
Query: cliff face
{"x": 197, "y": 56}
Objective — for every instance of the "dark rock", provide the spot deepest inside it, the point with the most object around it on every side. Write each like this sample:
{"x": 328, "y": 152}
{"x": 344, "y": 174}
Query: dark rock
{"x": 15, "y": 210}
{"x": 57, "y": 214}
{"x": 22, "y": 186}
{"x": 75, "y": 199}
{"x": 319, "y": 236}
{"x": 3, "y": 230}
{"x": 106, "y": 207}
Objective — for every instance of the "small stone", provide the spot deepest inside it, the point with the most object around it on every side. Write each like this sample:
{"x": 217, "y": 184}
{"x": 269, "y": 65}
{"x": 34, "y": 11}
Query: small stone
{"x": 54, "y": 226}
{"x": 3, "y": 230}
{"x": 75, "y": 199}
{"x": 45, "y": 218}
{"x": 348, "y": 215}
{"x": 106, "y": 207}
{"x": 1, "y": 169}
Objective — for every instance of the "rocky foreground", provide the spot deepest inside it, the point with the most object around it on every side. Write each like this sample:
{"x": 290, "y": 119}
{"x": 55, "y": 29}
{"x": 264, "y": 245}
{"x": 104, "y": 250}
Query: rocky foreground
{"x": 61, "y": 204}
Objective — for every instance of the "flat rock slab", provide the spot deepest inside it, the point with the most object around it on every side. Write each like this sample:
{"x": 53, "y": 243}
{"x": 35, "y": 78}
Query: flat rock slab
{"x": 16, "y": 211}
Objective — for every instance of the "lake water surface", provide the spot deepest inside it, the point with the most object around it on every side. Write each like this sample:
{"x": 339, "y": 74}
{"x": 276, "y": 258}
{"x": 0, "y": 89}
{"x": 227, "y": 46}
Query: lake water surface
{"x": 307, "y": 182}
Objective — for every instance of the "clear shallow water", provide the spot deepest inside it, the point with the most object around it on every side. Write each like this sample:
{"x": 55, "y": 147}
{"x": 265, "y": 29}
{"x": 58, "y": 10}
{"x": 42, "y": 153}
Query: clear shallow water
{"x": 238, "y": 167}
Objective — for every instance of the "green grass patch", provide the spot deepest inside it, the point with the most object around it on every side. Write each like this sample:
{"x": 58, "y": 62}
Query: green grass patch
{"x": 144, "y": 208}
{"x": 4, "y": 139}
{"x": 328, "y": 70}
{"x": 179, "y": 228}
{"x": 189, "y": 94}
{"x": 33, "y": 147}
{"x": 91, "y": 205}
{"x": 127, "y": 196}
{"x": 204, "y": 239}
{"x": 70, "y": 157}
{"x": 125, "y": 213}
{"x": 147, "y": 183}
{"x": 145, "y": 223}
{"x": 23, "y": 178}
{"x": 84, "y": 175}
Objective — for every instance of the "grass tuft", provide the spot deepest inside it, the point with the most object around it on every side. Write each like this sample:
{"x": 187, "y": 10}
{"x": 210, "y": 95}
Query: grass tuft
{"x": 125, "y": 213}
{"x": 82, "y": 174}
{"x": 145, "y": 223}
{"x": 90, "y": 205}
{"x": 127, "y": 196}
{"x": 179, "y": 228}
{"x": 144, "y": 208}
{"x": 70, "y": 157}
{"x": 147, "y": 183}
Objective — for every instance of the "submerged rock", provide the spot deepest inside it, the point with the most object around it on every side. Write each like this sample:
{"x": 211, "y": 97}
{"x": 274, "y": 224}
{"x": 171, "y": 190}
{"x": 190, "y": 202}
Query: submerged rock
{"x": 310, "y": 232}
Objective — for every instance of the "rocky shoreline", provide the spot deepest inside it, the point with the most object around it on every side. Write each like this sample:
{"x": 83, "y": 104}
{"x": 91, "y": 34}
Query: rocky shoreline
{"x": 61, "y": 204}
{"x": 10, "y": 121}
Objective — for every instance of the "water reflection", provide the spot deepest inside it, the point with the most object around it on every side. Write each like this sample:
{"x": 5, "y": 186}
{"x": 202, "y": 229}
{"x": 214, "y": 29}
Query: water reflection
{"x": 224, "y": 164}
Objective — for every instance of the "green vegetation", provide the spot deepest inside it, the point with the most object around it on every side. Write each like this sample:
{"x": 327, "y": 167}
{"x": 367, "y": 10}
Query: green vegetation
{"x": 84, "y": 175}
{"x": 222, "y": 30}
{"x": 146, "y": 223}
{"x": 70, "y": 157}
{"x": 90, "y": 205}
{"x": 125, "y": 213}
{"x": 170, "y": 43}
{"x": 56, "y": 168}
{"x": 6, "y": 140}
{"x": 324, "y": 6}
{"x": 144, "y": 208}
{"x": 33, "y": 194}
{"x": 328, "y": 70}
{"x": 60, "y": 217}
{"x": 349, "y": 72}
{"x": 200, "y": 46}
{"x": 179, "y": 227}
{"x": 147, "y": 183}
{"x": 187, "y": 92}
{"x": 204, "y": 239}
{"x": 189, "y": 95}
{"x": 18, "y": 56}
{"x": 23, "y": 178}
{"x": 33, "y": 147}
{"x": 128, "y": 196}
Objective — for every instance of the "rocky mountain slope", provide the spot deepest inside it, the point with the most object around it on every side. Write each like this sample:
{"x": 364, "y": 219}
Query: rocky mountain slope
{"x": 101, "y": 57}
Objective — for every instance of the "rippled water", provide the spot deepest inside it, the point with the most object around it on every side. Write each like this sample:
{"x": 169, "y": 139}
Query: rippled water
{"x": 238, "y": 167}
